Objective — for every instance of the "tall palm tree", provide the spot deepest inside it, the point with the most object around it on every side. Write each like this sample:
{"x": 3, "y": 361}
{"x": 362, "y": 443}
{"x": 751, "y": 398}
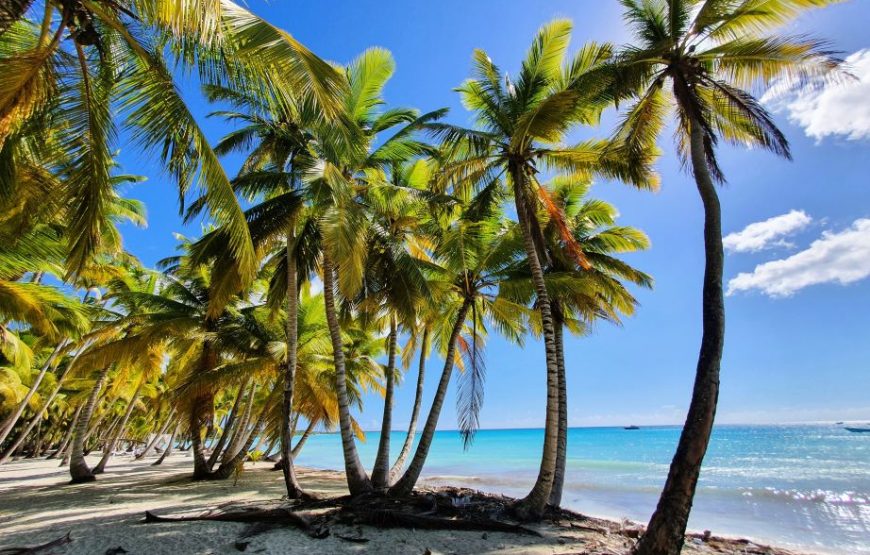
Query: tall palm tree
{"x": 580, "y": 296}
{"x": 474, "y": 254}
{"x": 394, "y": 282}
{"x": 701, "y": 58}
{"x": 521, "y": 125}
{"x": 338, "y": 187}
{"x": 272, "y": 174}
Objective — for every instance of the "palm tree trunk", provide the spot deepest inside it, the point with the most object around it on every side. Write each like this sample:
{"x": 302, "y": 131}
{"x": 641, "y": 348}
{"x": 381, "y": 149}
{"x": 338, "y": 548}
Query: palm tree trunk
{"x": 238, "y": 436}
{"x": 113, "y": 441}
{"x": 408, "y": 480}
{"x": 78, "y": 467}
{"x": 300, "y": 443}
{"x": 67, "y": 436}
{"x": 667, "y": 527}
{"x": 228, "y": 467}
{"x": 562, "y": 444}
{"x": 12, "y": 419}
{"x": 357, "y": 481}
{"x": 381, "y": 470}
{"x": 170, "y": 418}
{"x": 415, "y": 413}
{"x": 294, "y": 490}
{"x": 533, "y": 505}
{"x": 168, "y": 449}
{"x": 229, "y": 424}
{"x": 37, "y": 418}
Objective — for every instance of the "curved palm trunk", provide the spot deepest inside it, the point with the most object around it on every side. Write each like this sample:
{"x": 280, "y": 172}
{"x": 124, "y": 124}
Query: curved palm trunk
{"x": 170, "y": 418}
{"x": 168, "y": 449}
{"x": 357, "y": 481}
{"x": 415, "y": 413}
{"x": 12, "y": 419}
{"x": 229, "y": 467}
{"x": 562, "y": 444}
{"x": 408, "y": 480}
{"x": 200, "y": 416}
{"x": 238, "y": 435}
{"x": 78, "y": 467}
{"x": 381, "y": 470}
{"x": 294, "y": 490}
{"x": 67, "y": 437}
{"x": 300, "y": 443}
{"x": 533, "y": 505}
{"x": 122, "y": 426}
{"x": 667, "y": 527}
{"x": 229, "y": 425}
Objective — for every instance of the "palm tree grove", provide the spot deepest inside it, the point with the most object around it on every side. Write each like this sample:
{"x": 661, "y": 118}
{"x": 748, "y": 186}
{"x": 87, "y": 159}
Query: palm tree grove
{"x": 357, "y": 325}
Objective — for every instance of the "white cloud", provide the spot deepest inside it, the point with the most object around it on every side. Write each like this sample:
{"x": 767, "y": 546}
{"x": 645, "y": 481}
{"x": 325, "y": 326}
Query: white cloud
{"x": 842, "y": 257}
{"x": 839, "y": 108}
{"x": 770, "y": 232}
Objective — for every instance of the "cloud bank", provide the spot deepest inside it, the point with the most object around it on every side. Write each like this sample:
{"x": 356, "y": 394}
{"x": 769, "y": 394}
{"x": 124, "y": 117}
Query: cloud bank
{"x": 770, "y": 232}
{"x": 837, "y": 257}
{"x": 841, "y": 108}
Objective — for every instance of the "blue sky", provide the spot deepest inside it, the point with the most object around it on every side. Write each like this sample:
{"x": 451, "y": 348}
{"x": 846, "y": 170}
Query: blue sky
{"x": 798, "y": 340}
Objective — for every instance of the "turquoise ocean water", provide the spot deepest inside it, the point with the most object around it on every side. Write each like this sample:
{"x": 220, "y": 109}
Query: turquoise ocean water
{"x": 796, "y": 486}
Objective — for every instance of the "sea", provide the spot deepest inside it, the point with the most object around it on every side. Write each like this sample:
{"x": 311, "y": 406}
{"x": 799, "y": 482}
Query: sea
{"x": 804, "y": 487}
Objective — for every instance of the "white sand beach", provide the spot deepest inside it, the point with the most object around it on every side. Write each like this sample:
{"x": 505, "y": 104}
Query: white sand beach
{"x": 37, "y": 505}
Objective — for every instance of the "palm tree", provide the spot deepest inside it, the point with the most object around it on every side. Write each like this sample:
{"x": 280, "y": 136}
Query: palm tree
{"x": 700, "y": 57}
{"x": 86, "y": 57}
{"x": 272, "y": 173}
{"x": 521, "y": 125}
{"x": 394, "y": 282}
{"x": 474, "y": 254}
{"x": 580, "y": 296}
{"x": 347, "y": 159}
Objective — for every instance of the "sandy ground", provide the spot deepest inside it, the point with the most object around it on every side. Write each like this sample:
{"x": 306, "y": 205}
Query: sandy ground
{"x": 38, "y": 505}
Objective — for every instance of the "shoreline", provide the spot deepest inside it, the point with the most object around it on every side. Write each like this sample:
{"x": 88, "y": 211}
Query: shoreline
{"x": 37, "y": 505}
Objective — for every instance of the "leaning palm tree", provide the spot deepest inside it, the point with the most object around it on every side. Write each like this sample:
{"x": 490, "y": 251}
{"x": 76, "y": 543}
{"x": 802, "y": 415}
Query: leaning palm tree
{"x": 521, "y": 125}
{"x": 580, "y": 296}
{"x": 473, "y": 254}
{"x": 279, "y": 151}
{"x": 701, "y": 58}
{"x": 347, "y": 159}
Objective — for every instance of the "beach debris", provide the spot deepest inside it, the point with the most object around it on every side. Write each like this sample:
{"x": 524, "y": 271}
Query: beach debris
{"x": 452, "y": 509}
{"x": 37, "y": 548}
{"x": 115, "y": 550}
{"x": 354, "y": 539}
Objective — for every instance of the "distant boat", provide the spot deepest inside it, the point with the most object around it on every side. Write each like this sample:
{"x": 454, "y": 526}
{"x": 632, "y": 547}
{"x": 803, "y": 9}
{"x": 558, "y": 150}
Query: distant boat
{"x": 839, "y": 423}
{"x": 638, "y": 428}
{"x": 858, "y": 430}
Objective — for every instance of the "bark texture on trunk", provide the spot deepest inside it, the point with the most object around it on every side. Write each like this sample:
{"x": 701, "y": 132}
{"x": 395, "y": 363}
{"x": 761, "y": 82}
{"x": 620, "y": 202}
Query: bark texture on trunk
{"x": 381, "y": 470}
{"x": 666, "y": 531}
{"x": 533, "y": 505}
{"x": 228, "y": 425}
{"x": 238, "y": 437}
{"x": 170, "y": 419}
{"x": 562, "y": 444}
{"x": 122, "y": 427}
{"x": 415, "y": 413}
{"x": 168, "y": 449}
{"x": 78, "y": 467}
{"x": 300, "y": 443}
{"x": 409, "y": 479}
{"x": 291, "y": 484}
{"x": 357, "y": 480}
{"x": 67, "y": 436}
